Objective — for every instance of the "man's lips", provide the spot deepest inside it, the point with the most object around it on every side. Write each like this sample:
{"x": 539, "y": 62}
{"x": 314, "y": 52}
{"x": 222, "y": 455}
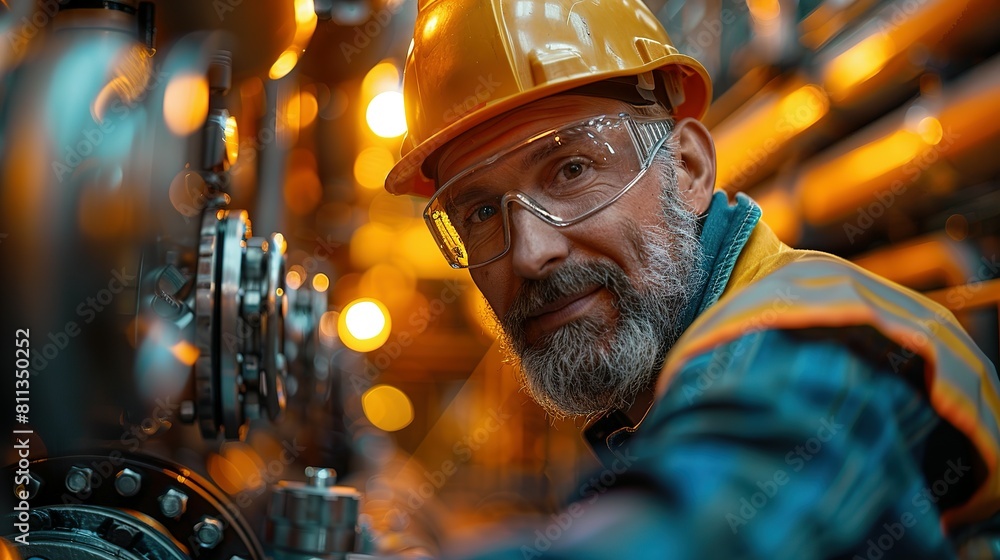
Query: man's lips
{"x": 555, "y": 314}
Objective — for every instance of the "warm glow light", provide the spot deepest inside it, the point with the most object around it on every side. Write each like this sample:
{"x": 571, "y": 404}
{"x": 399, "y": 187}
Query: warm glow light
{"x": 930, "y": 130}
{"x": 225, "y": 474}
{"x": 754, "y": 140}
{"x": 305, "y": 25}
{"x": 305, "y": 11}
{"x": 292, "y": 112}
{"x": 282, "y": 245}
{"x": 236, "y": 468}
{"x": 308, "y": 108}
{"x": 293, "y": 280}
{"x": 418, "y": 250}
{"x": 245, "y": 460}
{"x": 780, "y": 213}
{"x": 840, "y": 186}
{"x": 328, "y": 324}
{"x": 803, "y": 107}
{"x": 372, "y": 244}
{"x": 284, "y": 64}
{"x": 387, "y": 408}
{"x": 372, "y": 166}
{"x": 185, "y": 352}
{"x": 364, "y": 324}
{"x": 365, "y": 320}
{"x": 232, "y": 138}
{"x": 384, "y": 76}
{"x": 919, "y": 262}
{"x": 881, "y": 156}
{"x": 321, "y": 282}
{"x": 857, "y": 64}
{"x": 185, "y": 103}
{"x": 764, "y": 10}
{"x": 386, "y": 115}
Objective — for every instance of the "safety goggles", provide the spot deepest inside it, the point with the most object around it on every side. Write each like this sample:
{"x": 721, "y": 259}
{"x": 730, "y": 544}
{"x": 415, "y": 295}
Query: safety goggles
{"x": 565, "y": 176}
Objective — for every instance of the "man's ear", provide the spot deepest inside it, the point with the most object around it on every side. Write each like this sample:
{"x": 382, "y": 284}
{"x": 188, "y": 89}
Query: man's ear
{"x": 696, "y": 172}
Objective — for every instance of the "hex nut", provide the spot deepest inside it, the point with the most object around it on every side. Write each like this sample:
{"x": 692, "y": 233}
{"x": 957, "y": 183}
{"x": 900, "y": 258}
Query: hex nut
{"x": 78, "y": 479}
{"x": 208, "y": 531}
{"x": 128, "y": 482}
{"x": 173, "y": 503}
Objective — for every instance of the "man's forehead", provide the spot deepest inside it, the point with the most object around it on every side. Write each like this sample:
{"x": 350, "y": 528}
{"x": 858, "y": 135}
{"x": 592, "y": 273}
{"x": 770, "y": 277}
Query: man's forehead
{"x": 512, "y": 127}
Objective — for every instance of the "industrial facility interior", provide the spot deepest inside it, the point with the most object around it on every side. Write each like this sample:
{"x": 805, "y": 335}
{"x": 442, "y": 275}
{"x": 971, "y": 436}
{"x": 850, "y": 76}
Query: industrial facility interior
{"x": 229, "y": 315}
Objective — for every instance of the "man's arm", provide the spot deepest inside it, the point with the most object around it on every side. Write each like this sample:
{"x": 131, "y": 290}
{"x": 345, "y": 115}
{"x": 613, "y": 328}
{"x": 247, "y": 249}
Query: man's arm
{"x": 778, "y": 445}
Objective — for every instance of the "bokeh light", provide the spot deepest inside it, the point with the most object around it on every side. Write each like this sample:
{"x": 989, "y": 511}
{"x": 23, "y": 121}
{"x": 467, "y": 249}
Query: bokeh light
{"x": 858, "y": 64}
{"x": 372, "y": 166}
{"x": 384, "y": 76}
{"x": 232, "y": 139}
{"x": 295, "y": 277}
{"x": 308, "y": 108}
{"x": 185, "y": 103}
{"x": 372, "y": 244}
{"x": 320, "y": 282}
{"x": 764, "y": 10}
{"x": 386, "y": 115}
{"x": 328, "y": 324}
{"x": 387, "y": 408}
{"x": 930, "y": 130}
{"x": 364, "y": 324}
{"x": 283, "y": 65}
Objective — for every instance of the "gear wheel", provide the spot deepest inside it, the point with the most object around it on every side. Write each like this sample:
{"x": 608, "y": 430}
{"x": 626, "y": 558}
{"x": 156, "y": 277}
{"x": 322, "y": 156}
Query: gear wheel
{"x": 239, "y": 309}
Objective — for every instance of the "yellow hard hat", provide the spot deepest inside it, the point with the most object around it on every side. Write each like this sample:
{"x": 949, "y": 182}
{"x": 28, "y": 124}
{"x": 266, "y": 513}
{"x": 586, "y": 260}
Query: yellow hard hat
{"x": 471, "y": 60}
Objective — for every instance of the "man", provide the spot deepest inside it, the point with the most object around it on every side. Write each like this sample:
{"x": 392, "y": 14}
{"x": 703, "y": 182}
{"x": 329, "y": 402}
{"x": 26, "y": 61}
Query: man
{"x": 748, "y": 400}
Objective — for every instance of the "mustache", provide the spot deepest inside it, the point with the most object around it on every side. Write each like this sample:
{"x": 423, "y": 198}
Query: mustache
{"x": 569, "y": 279}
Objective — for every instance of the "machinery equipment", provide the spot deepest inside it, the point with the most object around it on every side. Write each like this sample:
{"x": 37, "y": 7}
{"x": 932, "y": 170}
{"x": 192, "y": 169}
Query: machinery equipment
{"x": 138, "y": 383}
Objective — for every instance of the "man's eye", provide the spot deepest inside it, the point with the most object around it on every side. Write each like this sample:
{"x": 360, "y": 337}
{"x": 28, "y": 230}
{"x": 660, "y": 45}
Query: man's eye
{"x": 484, "y": 213}
{"x": 571, "y": 170}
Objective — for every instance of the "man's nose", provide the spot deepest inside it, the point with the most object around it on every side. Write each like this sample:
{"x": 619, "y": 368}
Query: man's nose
{"x": 536, "y": 247}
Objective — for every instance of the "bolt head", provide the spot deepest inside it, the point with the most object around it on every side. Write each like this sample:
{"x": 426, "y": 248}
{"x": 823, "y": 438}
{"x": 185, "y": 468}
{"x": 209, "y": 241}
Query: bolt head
{"x": 318, "y": 477}
{"x": 128, "y": 482}
{"x": 208, "y": 532}
{"x": 173, "y": 503}
{"x": 122, "y": 535}
{"x": 78, "y": 479}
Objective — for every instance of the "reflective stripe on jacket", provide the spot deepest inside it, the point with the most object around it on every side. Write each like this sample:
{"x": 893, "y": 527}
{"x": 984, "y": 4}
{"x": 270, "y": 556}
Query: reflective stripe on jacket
{"x": 775, "y": 287}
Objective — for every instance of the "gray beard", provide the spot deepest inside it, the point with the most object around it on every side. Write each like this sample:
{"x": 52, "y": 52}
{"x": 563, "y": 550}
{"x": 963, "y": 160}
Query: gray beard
{"x": 588, "y": 367}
